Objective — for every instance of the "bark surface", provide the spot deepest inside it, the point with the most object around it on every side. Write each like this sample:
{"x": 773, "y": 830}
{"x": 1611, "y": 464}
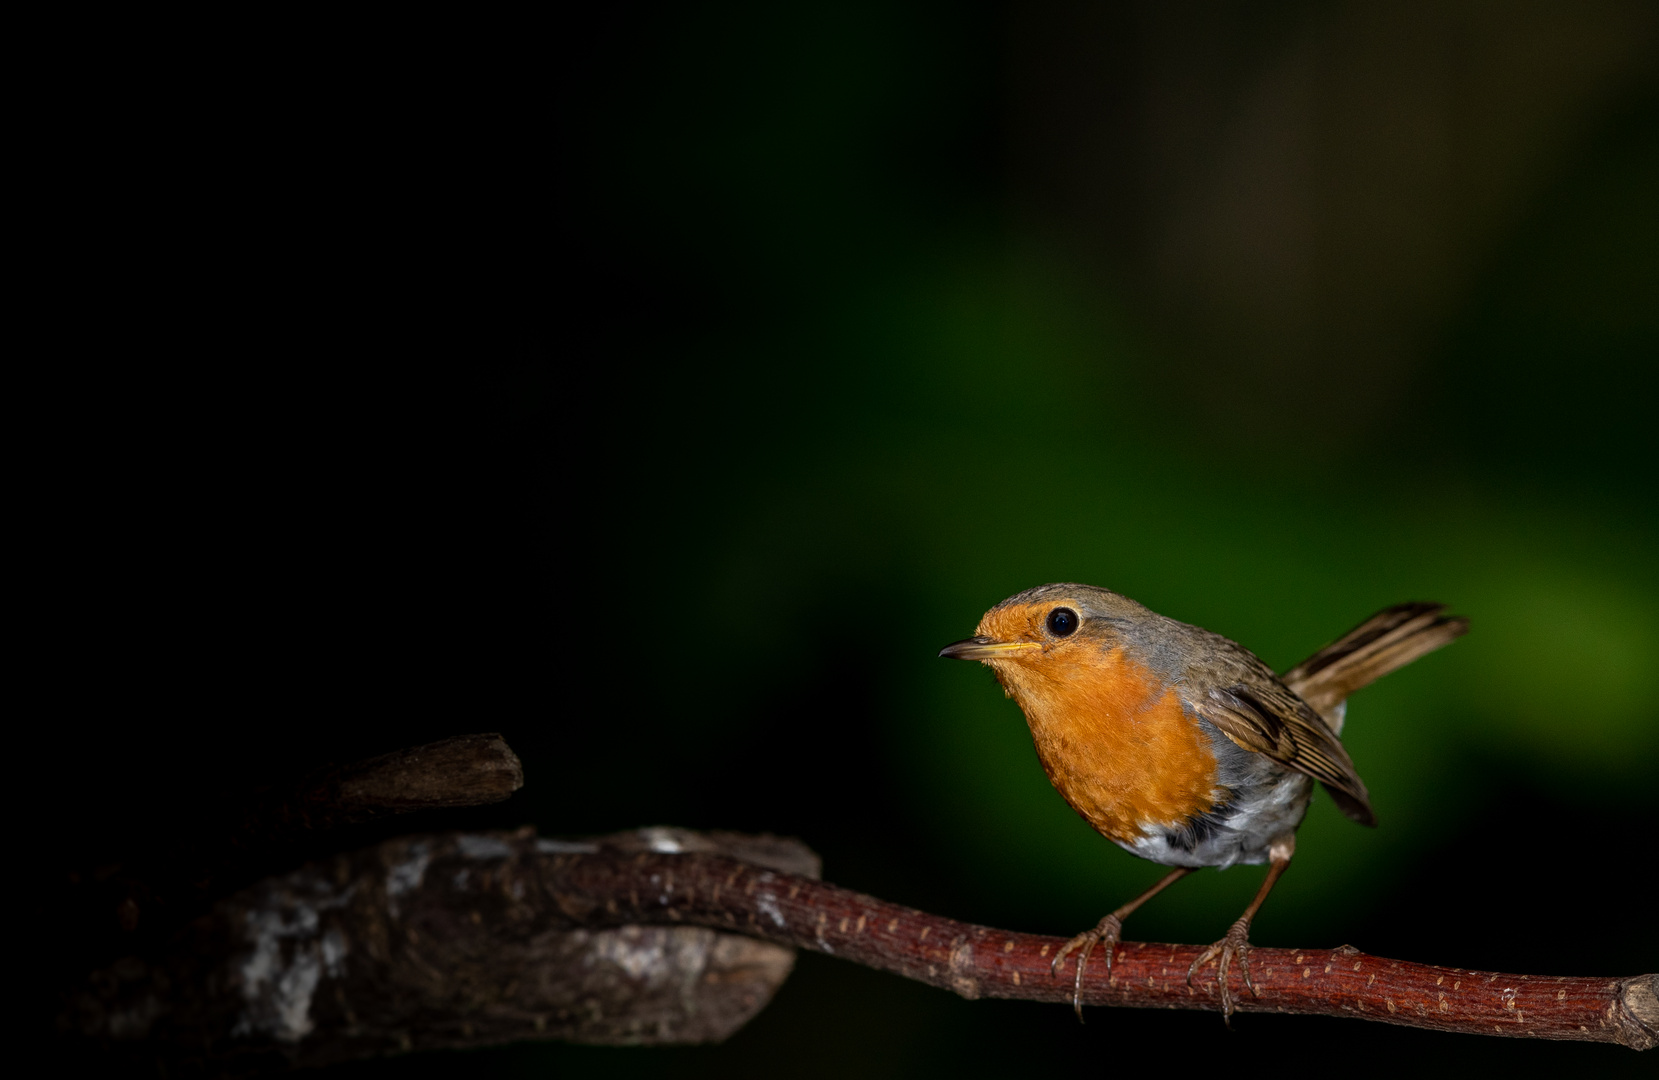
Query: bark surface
{"x": 665, "y": 935}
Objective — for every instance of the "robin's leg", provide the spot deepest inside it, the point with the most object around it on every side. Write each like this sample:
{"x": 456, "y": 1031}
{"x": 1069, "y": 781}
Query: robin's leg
{"x": 1237, "y": 941}
{"x": 1107, "y": 931}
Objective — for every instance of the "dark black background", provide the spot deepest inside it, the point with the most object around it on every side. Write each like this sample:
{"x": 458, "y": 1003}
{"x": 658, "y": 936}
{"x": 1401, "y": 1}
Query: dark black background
{"x": 387, "y": 383}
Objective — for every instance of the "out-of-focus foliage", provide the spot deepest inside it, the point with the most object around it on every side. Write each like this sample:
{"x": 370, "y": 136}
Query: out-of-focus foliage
{"x": 877, "y": 405}
{"x": 871, "y": 387}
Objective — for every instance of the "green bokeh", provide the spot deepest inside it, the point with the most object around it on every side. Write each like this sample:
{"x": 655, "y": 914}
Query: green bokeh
{"x": 896, "y": 406}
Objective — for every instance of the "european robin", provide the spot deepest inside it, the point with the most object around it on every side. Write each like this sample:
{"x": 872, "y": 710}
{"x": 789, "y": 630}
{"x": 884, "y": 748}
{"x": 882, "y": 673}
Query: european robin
{"x": 1181, "y": 746}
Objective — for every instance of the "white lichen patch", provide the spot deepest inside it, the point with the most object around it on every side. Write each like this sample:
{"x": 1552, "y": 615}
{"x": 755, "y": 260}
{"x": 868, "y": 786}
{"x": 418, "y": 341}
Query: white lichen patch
{"x": 826, "y": 948}
{"x": 767, "y": 902}
{"x": 565, "y": 847}
{"x": 661, "y": 840}
{"x": 289, "y": 955}
{"x": 334, "y": 953}
{"x": 483, "y": 847}
{"x": 653, "y": 955}
{"x": 407, "y": 875}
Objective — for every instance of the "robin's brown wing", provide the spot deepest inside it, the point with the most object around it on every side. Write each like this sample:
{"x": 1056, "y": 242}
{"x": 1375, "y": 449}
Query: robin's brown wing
{"x": 1265, "y": 717}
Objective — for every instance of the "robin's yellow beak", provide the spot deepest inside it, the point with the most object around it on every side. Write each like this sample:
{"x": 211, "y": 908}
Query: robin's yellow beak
{"x": 984, "y": 648}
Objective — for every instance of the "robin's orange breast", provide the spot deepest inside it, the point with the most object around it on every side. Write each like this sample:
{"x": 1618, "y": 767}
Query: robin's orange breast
{"x": 1114, "y": 741}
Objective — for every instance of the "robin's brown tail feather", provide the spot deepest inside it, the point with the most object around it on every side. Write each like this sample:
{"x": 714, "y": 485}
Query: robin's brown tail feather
{"x": 1392, "y": 638}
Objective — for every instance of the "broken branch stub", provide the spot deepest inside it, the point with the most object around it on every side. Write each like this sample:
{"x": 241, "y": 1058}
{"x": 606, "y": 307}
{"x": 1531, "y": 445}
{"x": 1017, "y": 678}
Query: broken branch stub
{"x": 433, "y": 942}
{"x": 468, "y": 770}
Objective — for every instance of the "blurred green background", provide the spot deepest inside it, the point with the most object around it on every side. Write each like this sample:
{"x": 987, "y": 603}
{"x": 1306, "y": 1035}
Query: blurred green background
{"x": 664, "y": 388}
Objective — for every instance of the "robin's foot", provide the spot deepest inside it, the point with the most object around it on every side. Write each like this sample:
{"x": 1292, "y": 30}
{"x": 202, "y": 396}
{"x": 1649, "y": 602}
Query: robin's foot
{"x": 1107, "y": 932}
{"x": 1236, "y": 943}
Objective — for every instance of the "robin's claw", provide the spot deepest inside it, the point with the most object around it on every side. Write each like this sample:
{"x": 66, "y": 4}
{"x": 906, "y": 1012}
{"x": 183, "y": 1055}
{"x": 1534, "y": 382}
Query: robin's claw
{"x": 1106, "y": 932}
{"x": 1235, "y": 944}
{"x": 1244, "y": 966}
{"x": 1203, "y": 958}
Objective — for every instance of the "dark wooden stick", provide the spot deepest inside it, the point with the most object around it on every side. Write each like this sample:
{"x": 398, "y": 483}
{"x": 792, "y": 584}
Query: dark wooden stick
{"x": 467, "y": 770}
{"x": 468, "y": 939}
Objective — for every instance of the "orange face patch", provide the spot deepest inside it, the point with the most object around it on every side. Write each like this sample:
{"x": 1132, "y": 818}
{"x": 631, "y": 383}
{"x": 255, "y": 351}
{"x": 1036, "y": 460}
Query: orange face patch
{"x": 1115, "y": 742}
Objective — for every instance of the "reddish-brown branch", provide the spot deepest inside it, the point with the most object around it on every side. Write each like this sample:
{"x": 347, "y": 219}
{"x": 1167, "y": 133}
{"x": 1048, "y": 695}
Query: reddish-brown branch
{"x": 977, "y": 961}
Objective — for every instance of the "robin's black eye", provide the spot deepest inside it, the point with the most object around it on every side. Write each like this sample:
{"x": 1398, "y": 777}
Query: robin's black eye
{"x": 1062, "y": 622}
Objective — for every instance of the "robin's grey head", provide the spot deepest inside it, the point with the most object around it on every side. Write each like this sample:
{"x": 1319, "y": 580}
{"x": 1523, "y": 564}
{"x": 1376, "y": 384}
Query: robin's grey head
{"x": 1052, "y": 616}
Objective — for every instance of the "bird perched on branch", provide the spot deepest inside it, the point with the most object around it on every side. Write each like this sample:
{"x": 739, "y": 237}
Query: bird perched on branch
{"x": 1180, "y": 745}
